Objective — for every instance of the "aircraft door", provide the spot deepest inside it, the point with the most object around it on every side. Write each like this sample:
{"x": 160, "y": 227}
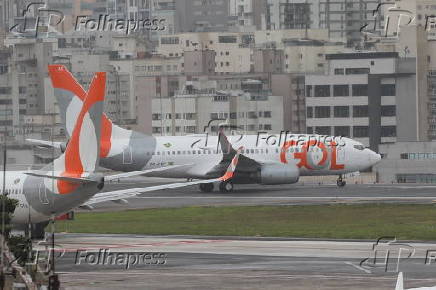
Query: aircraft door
{"x": 43, "y": 193}
{"x": 340, "y": 154}
{"x": 127, "y": 155}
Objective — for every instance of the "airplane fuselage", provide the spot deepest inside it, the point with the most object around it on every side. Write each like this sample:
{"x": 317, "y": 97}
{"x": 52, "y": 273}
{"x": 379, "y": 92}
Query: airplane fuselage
{"x": 37, "y": 200}
{"x": 312, "y": 154}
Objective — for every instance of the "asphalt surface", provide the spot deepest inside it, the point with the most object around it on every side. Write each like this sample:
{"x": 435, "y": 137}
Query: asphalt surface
{"x": 186, "y": 262}
{"x": 232, "y": 263}
{"x": 269, "y": 195}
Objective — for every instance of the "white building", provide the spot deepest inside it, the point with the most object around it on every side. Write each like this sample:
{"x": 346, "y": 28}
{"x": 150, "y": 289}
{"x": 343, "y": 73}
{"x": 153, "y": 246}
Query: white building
{"x": 191, "y": 111}
{"x": 355, "y": 98}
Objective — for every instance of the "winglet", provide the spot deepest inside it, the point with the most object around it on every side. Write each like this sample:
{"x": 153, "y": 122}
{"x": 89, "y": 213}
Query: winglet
{"x": 232, "y": 167}
{"x": 400, "y": 282}
{"x": 226, "y": 147}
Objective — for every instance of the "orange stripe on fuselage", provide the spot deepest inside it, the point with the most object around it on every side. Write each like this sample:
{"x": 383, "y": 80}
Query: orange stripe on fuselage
{"x": 63, "y": 79}
{"x": 73, "y": 164}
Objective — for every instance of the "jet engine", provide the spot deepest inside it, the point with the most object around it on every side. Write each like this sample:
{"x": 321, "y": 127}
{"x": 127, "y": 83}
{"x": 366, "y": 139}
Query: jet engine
{"x": 270, "y": 174}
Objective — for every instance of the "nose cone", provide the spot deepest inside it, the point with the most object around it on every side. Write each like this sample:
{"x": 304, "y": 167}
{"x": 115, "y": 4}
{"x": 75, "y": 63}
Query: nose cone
{"x": 374, "y": 158}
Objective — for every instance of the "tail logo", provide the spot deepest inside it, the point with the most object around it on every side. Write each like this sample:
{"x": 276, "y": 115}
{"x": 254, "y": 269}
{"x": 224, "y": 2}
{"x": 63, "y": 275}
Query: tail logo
{"x": 64, "y": 80}
{"x": 81, "y": 153}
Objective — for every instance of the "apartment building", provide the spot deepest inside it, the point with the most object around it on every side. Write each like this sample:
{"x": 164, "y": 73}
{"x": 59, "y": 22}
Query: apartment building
{"x": 247, "y": 15}
{"x": 201, "y": 15}
{"x": 361, "y": 96}
{"x": 342, "y": 18}
{"x": 201, "y": 107}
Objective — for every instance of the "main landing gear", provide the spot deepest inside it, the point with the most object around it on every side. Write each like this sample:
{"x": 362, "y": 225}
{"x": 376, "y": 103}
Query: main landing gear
{"x": 340, "y": 182}
{"x": 223, "y": 187}
{"x": 206, "y": 187}
{"x": 226, "y": 186}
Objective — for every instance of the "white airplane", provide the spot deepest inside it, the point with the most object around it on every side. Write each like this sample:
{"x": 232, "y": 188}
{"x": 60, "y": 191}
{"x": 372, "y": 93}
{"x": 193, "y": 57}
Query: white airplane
{"x": 267, "y": 159}
{"x": 71, "y": 181}
{"x": 400, "y": 284}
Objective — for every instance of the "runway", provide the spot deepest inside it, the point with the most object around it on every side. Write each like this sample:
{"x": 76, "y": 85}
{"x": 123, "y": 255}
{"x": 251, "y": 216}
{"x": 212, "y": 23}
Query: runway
{"x": 241, "y": 263}
{"x": 270, "y": 195}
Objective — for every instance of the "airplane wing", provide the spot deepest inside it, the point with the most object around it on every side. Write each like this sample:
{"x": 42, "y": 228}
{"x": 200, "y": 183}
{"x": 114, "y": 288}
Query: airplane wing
{"x": 121, "y": 195}
{"x": 141, "y": 172}
{"x": 246, "y": 165}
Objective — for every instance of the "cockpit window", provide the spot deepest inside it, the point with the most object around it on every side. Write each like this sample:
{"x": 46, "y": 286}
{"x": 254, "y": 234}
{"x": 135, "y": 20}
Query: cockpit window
{"x": 359, "y": 147}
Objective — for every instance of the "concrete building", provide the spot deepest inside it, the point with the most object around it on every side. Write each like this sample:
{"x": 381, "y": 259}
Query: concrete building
{"x": 297, "y": 14}
{"x": 365, "y": 96}
{"x": 308, "y": 56}
{"x": 221, "y": 96}
{"x": 247, "y": 15}
{"x": 407, "y": 162}
{"x": 199, "y": 15}
{"x": 342, "y": 18}
{"x": 191, "y": 110}
{"x": 268, "y": 60}
{"x": 24, "y": 83}
{"x": 230, "y": 55}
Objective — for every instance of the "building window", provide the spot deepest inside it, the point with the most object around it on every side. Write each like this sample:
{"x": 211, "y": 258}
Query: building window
{"x": 309, "y": 91}
{"x": 360, "y": 111}
{"x": 323, "y": 130}
{"x": 389, "y": 131}
{"x": 252, "y": 115}
{"x": 341, "y": 91}
{"x": 388, "y": 111}
{"x": 343, "y": 131}
{"x": 357, "y": 71}
{"x": 360, "y": 131}
{"x": 169, "y": 40}
{"x": 190, "y": 129}
{"x": 227, "y": 39}
{"x": 267, "y": 114}
{"x": 156, "y": 130}
{"x": 388, "y": 90}
{"x": 267, "y": 127}
{"x": 342, "y": 112}
{"x": 416, "y": 178}
{"x": 309, "y": 114}
{"x": 322, "y": 112}
{"x": 339, "y": 71}
{"x": 360, "y": 90}
{"x": 322, "y": 91}
{"x": 309, "y": 130}
{"x": 156, "y": 117}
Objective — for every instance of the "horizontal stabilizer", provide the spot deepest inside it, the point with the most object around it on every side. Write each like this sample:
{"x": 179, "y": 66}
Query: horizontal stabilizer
{"x": 64, "y": 178}
{"x": 44, "y": 143}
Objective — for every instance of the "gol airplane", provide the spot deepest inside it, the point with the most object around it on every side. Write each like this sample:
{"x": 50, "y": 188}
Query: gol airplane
{"x": 273, "y": 159}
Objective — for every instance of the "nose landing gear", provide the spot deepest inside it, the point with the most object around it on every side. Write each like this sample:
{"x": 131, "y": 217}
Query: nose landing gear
{"x": 340, "y": 182}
